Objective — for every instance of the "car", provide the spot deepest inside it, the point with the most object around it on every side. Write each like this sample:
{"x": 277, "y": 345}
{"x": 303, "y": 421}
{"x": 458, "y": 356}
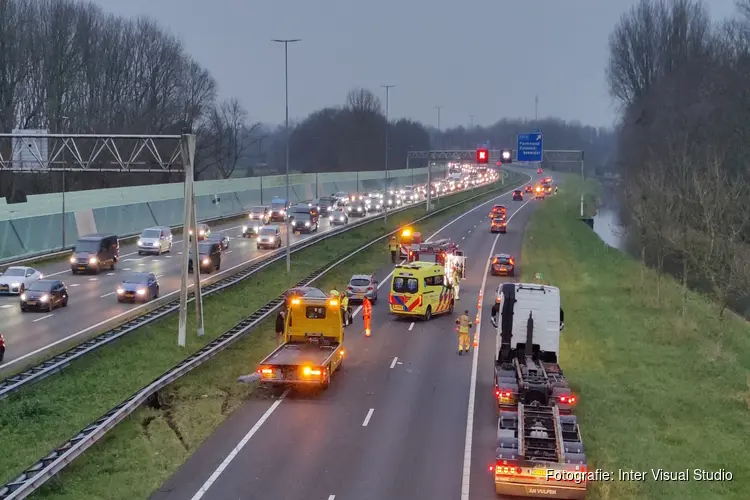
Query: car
{"x": 326, "y": 205}
{"x": 304, "y": 208}
{"x": 517, "y": 195}
{"x": 269, "y": 237}
{"x": 44, "y": 295}
{"x": 342, "y": 197}
{"x": 338, "y": 217}
{"x": 157, "y": 239}
{"x": 93, "y": 252}
{"x": 278, "y": 210}
{"x": 2, "y": 347}
{"x": 539, "y": 193}
{"x": 209, "y": 255}
{"x": 357, "y": 209}
{"x": 361, "y": 286}
{"x": 16, "y": 279}
{"x": 250, "y": 230}
{"x": 303, "y": 223}
{"x": 203, "y": 232}
{"x": 138, "y": 287}
{"x": 221, "y": 239}
{"x": 503, "y": 265}
{"x": 528, "y": 189}
{"x": 392, "y": 201}
{"x": 498, "y": 225}
{"x": 374, "y": 203}
{"x": 260, "y": 213}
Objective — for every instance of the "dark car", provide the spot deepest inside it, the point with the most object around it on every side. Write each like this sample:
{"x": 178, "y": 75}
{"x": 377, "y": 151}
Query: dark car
{"x": 528, "y": 189}
{"x": 138, "y": 287}
{"x": 278, "y": 210}
{"x": 304, "y": 208}
{"x": 503, "y": 265}
{"x": 517, "y": 195}
{"x": 203, "y": 232}
{"x": 2, "y": 347}
{"x": 303, "y": 223}
{"x": 44, "y": 295}
{"x": 326, "y": 205}
{"x": 209, "y": 254}
{"x": 357, "y": 209}
{"x": 338, "y": 218}
{"x": 250, "y": 230}
{"x": 269, "y": 237}
{"x": 94, "y": 252}
{"x": 392, "y": 201}
{"x": 498, "y": 225}
{"x": 221, "y": 239}
{"x": 260, "y": 214}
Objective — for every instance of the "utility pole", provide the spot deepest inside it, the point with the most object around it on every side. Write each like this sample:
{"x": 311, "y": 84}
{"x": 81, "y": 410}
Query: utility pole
{"x": 471, "y": 118}
{"x": 286, "y": 43}
{"x": 66, "y": 121}
{"x": 438, "y": 108}
{"x": 260, "y": 165}
{"x": 536, "y": 108}
{"x": 387, "y": 126}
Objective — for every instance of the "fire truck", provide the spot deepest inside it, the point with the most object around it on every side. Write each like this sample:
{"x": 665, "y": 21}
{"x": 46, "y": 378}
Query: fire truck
{"x": 444, "y": 252}
{"x": 408, "y": 238}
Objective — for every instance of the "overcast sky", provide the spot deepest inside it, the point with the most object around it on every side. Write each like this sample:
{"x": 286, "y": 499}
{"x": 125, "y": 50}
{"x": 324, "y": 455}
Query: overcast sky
{"x": 486, "y": 58}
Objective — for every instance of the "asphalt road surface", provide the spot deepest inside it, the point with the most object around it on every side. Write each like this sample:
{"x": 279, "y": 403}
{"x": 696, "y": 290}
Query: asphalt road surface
{"x": 93, "y": 301}
{"x": 393, "y": 423}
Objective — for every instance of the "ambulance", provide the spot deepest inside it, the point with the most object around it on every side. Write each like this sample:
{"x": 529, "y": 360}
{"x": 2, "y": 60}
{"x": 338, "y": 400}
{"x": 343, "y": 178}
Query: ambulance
{"x": 422, "y": 287}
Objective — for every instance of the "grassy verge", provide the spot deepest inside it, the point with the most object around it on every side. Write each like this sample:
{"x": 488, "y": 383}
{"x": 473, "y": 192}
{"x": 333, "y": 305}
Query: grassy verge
{"x": 41, "y": 417}
{"x": 658, "y": 391}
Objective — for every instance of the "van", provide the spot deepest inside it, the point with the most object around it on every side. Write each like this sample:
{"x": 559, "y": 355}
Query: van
{"x": 156, "y": 240}
{"x": 95, "y": 252}
{"x": 209, "y": 257}
{"x": 420, "y": 289}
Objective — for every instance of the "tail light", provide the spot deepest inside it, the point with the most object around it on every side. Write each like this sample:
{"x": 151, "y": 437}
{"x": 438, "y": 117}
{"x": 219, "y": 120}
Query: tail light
{"x": 350, "y": 288}
{"x": 500, "y": 394}
{"x": 502, "y": 468}
{"x": 370, "y": 289}
{"x": 568, "y": 399}
{"x": 511, "y": 262}
{"x": 265, "y": 371}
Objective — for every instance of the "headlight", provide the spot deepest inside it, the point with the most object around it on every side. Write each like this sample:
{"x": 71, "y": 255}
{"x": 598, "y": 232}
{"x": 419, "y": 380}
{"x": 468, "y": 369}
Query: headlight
{"x": 359, "y": 209}
{"x": 256, "y": 228}
{"x": 282, "y": 212}
{"x": 141, "y": 291}
{"x": 72, "y": 260}
{"x": 44, "y": 298}
{"x": 23, "y": 296}
{"x": 120, "y": 291}
{"x": 15, "y": 285}
{"x": 294, "y": 223}
{"x": 206, "y": 261}
{"x": 244, "y": 229}
{"x": 140, "y": 243}
{"x": 330, "y": 208}
{"x": 330, "y": 218}
{"x": 201, "y": 233}
{"x": 379, "y": 206}
{"x": 307, "y": 224}
{"x": 190, "y": 232}
{"x": 92, "y": 260}
{"x": 342, "y": 218}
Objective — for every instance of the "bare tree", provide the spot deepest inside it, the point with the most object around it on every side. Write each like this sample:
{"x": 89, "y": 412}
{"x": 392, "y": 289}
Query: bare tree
{"x": 362, "y": 101}
{"x": 227, "y": 137}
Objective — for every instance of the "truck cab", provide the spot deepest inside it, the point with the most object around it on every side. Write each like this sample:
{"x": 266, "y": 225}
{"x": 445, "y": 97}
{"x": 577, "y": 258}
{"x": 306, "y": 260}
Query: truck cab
{"x": 313, "y": 346}
{"x": 539, "y": 447}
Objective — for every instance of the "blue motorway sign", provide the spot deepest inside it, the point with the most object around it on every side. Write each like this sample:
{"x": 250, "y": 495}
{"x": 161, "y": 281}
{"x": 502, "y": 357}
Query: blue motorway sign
{"x": 529, "y": 147}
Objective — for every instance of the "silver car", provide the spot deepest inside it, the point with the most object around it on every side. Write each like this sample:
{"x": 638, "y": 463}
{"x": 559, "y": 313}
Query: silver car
{"x": 361, "y": 286}
{"x": 155, "y": 240}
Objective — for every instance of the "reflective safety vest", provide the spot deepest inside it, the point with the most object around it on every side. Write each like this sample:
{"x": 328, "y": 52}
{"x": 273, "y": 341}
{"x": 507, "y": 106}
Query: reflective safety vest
{"x": 463, "y": 323}
{"x": 344, "y": 302}
{"x": 366, "y": 308}
{"x": 456, "y": 277}
{"x": 334, "y": 293}
{"x": 393, "y": 246}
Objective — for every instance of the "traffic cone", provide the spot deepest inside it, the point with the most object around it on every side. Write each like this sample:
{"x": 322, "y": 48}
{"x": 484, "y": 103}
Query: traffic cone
{"x": 476, "y": 340}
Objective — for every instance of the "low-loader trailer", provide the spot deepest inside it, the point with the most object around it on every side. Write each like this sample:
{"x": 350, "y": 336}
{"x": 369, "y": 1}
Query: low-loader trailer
{"x": 313, "y": 346}
{"x": 539, "y": 448}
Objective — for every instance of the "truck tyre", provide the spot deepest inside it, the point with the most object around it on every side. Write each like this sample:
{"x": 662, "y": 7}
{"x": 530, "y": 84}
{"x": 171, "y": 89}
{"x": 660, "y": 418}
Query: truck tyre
{"x": 428, "y": 313}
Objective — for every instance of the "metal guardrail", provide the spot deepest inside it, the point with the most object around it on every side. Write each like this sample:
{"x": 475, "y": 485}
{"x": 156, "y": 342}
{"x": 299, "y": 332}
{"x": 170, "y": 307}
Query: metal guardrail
{"x": 57, "y": 363}
{"x": 35, "y": 476}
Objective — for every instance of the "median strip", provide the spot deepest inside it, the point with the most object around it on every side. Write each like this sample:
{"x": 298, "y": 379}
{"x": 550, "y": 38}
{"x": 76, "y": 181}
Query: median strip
{"x": 57, "y": 405}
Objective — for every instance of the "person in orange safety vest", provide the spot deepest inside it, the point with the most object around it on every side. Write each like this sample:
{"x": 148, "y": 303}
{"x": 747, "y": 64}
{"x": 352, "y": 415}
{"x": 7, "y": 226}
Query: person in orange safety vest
{"x": 367, "y": 315}
{"x": 464, "y": 323}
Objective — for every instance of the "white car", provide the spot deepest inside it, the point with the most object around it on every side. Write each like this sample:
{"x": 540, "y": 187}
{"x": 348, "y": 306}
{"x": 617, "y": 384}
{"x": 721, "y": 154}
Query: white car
{"x": 16, "y": 279}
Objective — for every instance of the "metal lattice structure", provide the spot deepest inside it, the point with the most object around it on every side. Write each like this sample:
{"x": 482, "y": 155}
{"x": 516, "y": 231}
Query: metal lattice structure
{"x": 548, "y": 155}
{"x": 90, "y": 152}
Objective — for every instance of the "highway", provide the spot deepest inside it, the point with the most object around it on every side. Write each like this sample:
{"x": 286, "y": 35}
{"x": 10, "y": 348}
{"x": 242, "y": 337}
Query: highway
{"x": 93, "y": 302}
{"x": 393, "y": 423}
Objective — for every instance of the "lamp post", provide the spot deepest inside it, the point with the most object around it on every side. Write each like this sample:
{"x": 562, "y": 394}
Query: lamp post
{"x": 387, "y": 126}
{"x": 286, "y": 43}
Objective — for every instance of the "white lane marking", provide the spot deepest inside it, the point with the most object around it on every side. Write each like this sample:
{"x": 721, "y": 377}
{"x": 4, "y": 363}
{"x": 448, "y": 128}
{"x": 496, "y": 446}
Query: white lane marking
{"x": 131, "y": 260}
{"x": 179, "y": 253}
{"x": 463, "y": 237}
{"x": 93, "y": 279}
{"x": 229, "y": 251}
{"x": 43, "y": 317}
{"x": 202, "y": 491}
{"x": 159, "y": 275}
{"x": 331, "y": 497}
{"x": 110, "y": 274}
{"x": 5, "y": 306}
{"x": 106, "y": 295}
{"x": 411, "y": 326}
{"x": 393, "y": 363}
{"x": 168, "y": 256}
{"x": 368, "y": 417}
{"x": 473, "y": 383}
{"x": 127, "y": 268}
{"x": 74, "y": 284}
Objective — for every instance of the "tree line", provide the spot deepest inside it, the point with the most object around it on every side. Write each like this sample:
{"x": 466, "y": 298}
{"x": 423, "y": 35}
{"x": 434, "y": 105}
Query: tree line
{"x": 682, "y": 84}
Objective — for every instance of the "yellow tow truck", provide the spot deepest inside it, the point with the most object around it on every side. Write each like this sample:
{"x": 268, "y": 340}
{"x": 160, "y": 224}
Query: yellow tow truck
{"x": 313, "y": 346}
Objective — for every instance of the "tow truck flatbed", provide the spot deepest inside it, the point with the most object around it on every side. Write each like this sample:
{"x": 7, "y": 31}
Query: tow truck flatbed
{"x": 299, "y": 354}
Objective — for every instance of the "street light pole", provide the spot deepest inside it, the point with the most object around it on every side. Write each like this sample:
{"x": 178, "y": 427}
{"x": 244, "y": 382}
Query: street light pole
{"x": 66, "y": 120}
{"x": 471, "y": 118}
{"x": 286, "y": 43}
{"x": 387, "y": 126}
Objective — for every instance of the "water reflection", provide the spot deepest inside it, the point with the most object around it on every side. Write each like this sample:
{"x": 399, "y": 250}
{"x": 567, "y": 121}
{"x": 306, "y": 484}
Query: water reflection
{"x": 607, "y": 226}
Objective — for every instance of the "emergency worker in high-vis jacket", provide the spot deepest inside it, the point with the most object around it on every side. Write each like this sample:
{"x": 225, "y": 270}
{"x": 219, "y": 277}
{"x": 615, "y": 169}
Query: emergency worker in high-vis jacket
{"x": 456, "y": 282}
{"x": 393, "y": 247}
{"x": 367, "y": 315}
{"x": 464, "y": 324}
{"x": 345, "y": 309}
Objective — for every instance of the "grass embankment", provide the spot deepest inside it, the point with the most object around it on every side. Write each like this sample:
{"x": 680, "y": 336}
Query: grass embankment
{"x": 144, "y": 451}
{"x": 658, "y": 391}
